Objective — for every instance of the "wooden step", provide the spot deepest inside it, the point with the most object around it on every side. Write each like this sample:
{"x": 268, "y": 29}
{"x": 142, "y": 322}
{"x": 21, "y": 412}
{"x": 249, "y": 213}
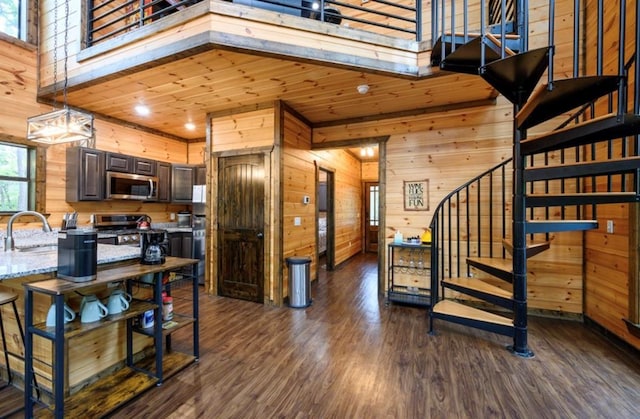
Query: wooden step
{"x": 552, "y": 200}
{"x": 607, "y": 127}
{"x": 470, "y": 45}
{"x": 500, "y": 268}
{"x": 472, "y": 317}
{"x": 587, "y": 168}
{"x": 466, "y": 57}
{"x": 564, "y": 95}
{"x": 549, "y": 226}
{"x": 532, "y": 248}
{"x": 480, "y": 289}
{"x": 517, "y": 76}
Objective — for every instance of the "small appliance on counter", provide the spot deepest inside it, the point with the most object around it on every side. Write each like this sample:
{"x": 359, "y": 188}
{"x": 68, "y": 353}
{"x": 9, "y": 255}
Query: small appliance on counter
{"x": 77, "y": 255}
{"x": 153, "y": 247}
{"x": 184, "y": 219}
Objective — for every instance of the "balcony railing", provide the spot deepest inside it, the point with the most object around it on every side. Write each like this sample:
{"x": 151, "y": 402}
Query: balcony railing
{"x": 109, "y": 19}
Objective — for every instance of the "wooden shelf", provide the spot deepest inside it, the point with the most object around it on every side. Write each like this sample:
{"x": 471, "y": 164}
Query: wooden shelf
{"x": 105, "y": 395}
{"x": 77, "y": 328}
{"x": 180, "y": 320}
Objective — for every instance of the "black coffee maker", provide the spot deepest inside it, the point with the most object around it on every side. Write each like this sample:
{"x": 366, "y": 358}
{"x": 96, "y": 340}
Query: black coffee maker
{"x": 153, "y": 247}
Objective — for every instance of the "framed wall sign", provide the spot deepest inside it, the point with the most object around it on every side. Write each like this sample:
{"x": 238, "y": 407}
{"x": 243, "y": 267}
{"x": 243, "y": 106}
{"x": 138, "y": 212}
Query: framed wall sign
{"x": 416, "y": 195}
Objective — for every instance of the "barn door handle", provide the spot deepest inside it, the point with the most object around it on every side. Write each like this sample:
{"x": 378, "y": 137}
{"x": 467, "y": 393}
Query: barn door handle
{"x": 260, "y": 235}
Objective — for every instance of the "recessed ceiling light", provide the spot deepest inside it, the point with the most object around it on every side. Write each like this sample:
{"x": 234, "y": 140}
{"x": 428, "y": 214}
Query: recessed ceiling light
{"x": 363, "y": 89}
{"x": 190, "y": 126}
{"x": 142, "y": 110}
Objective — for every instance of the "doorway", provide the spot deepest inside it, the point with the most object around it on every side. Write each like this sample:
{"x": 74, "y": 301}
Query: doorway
{"x": 241, "y": 227}
{"x": 371, "y": 216}
{"x": 325, "y": 218}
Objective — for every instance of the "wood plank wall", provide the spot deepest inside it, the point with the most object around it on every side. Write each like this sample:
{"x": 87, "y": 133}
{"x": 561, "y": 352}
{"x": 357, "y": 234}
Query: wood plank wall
{"x": 610, "y": 258}
{"x": 299, "y": 177}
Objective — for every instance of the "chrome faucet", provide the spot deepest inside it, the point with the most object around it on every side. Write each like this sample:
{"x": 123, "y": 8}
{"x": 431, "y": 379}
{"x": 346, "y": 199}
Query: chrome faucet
{"x": 8, "y": 241}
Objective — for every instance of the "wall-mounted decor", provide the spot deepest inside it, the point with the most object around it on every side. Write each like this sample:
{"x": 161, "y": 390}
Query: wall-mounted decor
{"x": 416, "y": 195}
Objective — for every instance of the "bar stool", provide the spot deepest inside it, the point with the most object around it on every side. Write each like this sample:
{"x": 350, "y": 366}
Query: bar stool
{"x": 6, "y": 298}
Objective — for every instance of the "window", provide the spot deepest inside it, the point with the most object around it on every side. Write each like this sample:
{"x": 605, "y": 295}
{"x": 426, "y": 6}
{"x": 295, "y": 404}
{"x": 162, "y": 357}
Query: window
{"x": 17, "y": 178}
{"x": 13, "y": 18}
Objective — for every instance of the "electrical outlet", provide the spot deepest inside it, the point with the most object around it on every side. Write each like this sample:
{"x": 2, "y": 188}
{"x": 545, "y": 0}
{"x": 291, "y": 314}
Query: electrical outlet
{"x": 172, "y": 216}
{"x": 610, "y": 226}
{"x": 297, "y": 221}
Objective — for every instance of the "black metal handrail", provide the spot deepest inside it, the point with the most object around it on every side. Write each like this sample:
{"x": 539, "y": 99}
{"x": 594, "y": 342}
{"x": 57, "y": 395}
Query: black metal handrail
{"x": 108, "y": 19}
{"x": 457, "y": 230}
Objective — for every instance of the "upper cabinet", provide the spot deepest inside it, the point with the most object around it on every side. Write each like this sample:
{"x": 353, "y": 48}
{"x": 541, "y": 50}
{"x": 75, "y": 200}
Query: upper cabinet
{"x": 182, "y": 178}
{"x": 85, "y": 174}
{"x": 201, "y": 175}
{"x": 119, "y": 163}
{"x": 164, "y": 181}
{"x": 145, "y": 166}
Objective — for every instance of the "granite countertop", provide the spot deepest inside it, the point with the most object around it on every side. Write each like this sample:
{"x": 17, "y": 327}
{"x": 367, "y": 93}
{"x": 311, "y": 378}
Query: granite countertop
{"x": 16, "y": 263}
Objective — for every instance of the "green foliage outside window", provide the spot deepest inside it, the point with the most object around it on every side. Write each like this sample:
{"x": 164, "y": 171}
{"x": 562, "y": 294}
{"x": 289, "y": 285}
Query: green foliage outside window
{"x": 16, "y": 178}
{"x": 10, "y": 17}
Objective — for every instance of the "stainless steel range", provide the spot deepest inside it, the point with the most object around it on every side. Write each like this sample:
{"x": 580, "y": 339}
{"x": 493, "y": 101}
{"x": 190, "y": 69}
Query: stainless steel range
{"x": 119, "y": 229}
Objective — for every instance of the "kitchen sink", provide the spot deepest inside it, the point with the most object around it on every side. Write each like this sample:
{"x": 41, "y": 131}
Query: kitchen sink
{"x": 38, "y": 249}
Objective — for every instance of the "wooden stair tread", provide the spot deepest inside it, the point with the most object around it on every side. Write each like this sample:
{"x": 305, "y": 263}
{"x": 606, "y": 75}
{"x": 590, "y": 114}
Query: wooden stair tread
{"x": 566, "y": 94}
{"x": 606, "y": 127}
{"x": 532, "y": 248}
{"x": 478, "y": 285}
{"x": 466, "y": 58}
{"x": 451, "y": 308}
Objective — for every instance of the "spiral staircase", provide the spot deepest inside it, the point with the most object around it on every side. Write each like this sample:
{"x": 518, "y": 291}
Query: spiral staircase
{"x": 500, "y": 56}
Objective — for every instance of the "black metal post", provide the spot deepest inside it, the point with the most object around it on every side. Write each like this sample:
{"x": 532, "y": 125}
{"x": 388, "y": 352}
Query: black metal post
{"x": 520, "y": 346}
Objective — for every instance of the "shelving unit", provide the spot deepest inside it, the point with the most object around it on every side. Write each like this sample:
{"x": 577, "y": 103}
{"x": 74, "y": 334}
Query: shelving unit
{"x": 409, "y": 274}
{"x": 134, "y": 378}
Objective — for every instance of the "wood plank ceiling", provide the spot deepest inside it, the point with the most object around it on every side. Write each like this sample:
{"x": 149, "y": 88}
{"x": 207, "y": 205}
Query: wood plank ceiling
{"x": 187, "y": 89}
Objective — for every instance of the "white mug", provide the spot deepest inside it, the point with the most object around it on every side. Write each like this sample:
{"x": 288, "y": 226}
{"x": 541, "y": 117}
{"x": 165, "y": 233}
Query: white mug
{"x": 118, "y": 302}
{"x": 92, "y": 309}
{"x": 69, "y": 315}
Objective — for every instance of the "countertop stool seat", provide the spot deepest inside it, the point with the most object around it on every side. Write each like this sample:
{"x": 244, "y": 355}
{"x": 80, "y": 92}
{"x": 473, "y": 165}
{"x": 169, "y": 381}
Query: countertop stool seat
{"x": 6, "y": 298}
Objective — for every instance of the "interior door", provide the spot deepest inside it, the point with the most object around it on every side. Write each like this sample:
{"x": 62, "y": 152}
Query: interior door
{"x": 241, "y": 227}
{"x": 371, "y": 215}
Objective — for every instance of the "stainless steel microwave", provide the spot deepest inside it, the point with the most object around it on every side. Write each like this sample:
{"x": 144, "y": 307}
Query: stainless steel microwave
{"x": 130, "y": 186}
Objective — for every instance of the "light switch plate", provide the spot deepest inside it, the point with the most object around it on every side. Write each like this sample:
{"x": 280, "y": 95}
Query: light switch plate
{"x": 610, "y": 226}
{"x": 297, "y": 221}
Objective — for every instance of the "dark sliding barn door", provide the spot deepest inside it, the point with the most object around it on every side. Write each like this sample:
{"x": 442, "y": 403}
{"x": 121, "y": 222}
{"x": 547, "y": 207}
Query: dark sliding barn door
{"x": 241, "y": 223}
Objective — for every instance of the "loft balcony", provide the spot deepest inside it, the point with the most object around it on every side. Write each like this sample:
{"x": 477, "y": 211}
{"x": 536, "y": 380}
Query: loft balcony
{"x": 194, "y": 57}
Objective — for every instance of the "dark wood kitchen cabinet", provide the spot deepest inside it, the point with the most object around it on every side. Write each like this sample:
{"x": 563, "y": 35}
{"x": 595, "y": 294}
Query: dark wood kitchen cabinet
{"x": 163, "y": 171}
{"x": 116, "y": 162}
{"x": 182, "y": 178}
{"x": 85, "y": 174}
{"x": 181, "y": 244}
{"x": 144, "y": 166}
{"x": 201, "y": 175}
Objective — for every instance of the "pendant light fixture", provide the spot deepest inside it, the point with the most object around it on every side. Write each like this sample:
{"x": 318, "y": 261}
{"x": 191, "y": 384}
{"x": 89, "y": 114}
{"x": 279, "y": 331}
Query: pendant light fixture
{"x": 60, "y": 125}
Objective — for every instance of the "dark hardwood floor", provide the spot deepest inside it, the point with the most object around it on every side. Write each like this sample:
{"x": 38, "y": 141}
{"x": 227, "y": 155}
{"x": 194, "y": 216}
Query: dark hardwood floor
{"x": 351, "y": 356}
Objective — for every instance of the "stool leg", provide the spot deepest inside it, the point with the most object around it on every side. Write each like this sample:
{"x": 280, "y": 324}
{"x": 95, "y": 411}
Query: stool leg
{"x": 15, "y": 311}
{"x": 4, "y": 347}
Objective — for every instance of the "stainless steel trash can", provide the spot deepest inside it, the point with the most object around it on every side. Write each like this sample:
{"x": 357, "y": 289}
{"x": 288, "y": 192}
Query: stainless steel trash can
{"x": 299, "y": 281}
